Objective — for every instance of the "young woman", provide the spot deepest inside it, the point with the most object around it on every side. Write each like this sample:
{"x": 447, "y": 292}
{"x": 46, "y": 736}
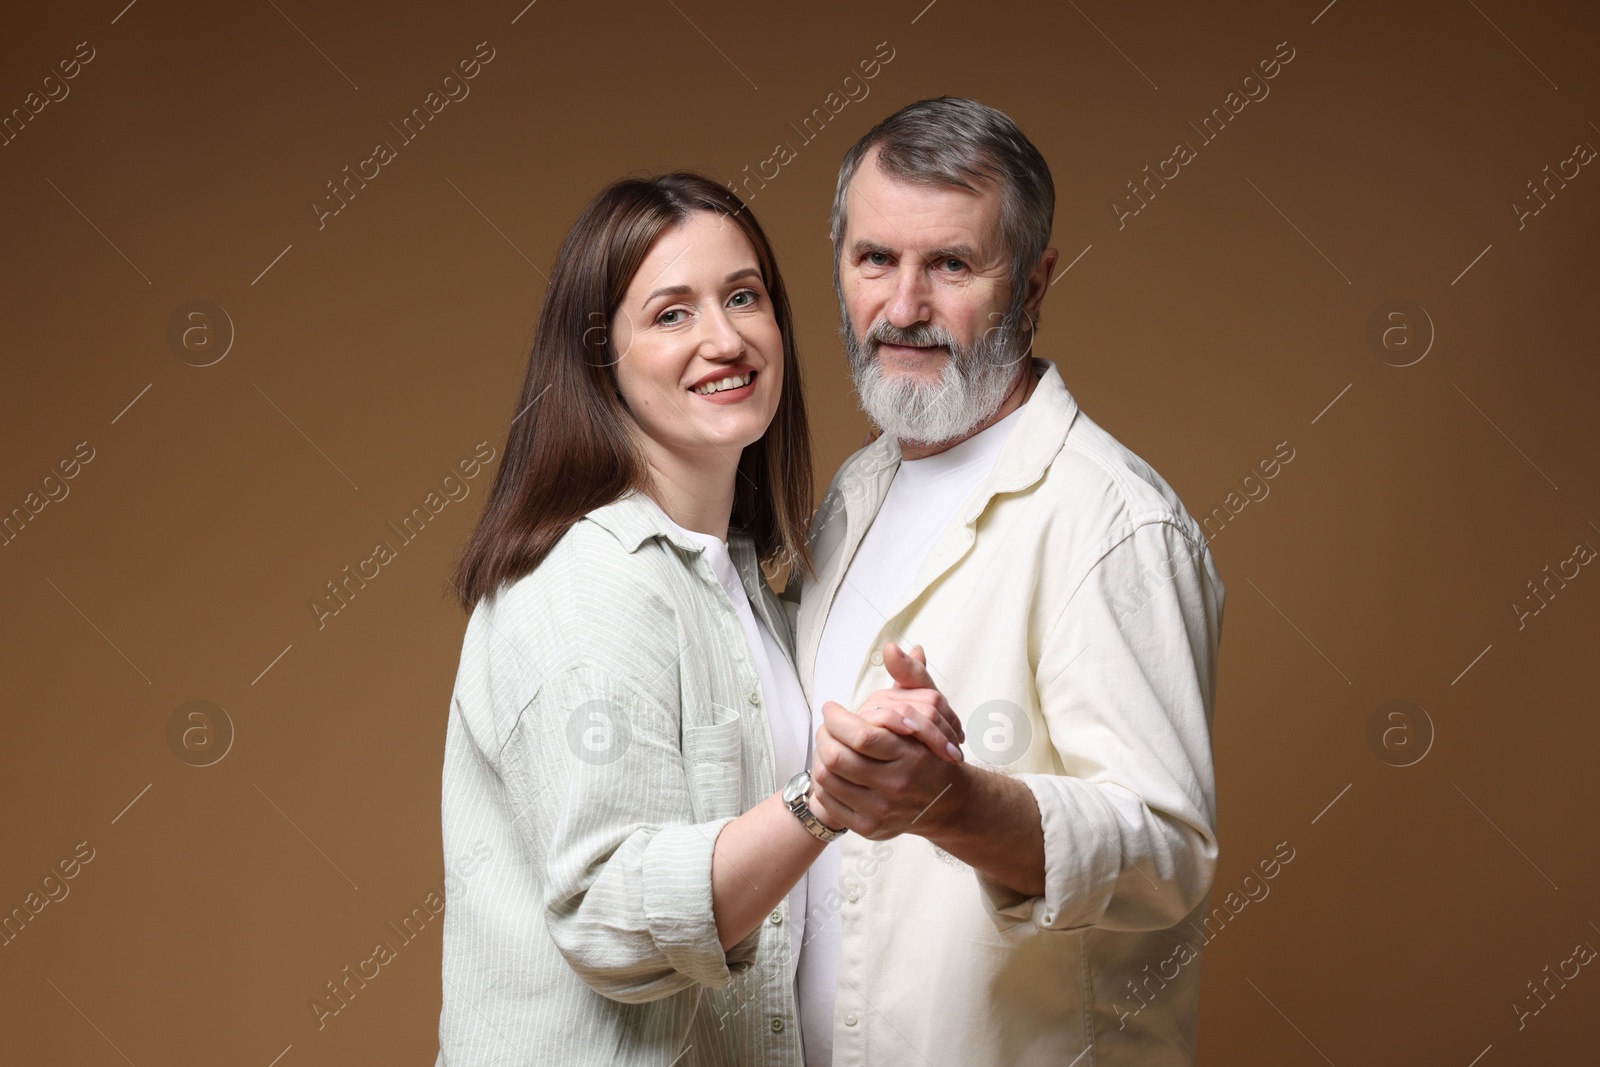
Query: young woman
{"x": 624, "y": 809}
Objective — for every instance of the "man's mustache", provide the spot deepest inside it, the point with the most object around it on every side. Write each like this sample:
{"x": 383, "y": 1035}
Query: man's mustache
{"x": 919, "y": 336}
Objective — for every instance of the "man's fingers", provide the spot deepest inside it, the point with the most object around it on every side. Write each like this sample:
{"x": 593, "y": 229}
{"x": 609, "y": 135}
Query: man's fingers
{"x": 827, "y": 807}
{"x": 843, "y": 766}
{"x": 844, "y": 800}
{"x": 941, "y": 708}
{"x": 839, "y": 769}
{"x": 908, "y": 673}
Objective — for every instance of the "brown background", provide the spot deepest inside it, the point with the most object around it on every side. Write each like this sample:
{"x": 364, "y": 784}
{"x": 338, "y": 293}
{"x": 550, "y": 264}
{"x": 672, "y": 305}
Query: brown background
{"x": 377, "y": 351}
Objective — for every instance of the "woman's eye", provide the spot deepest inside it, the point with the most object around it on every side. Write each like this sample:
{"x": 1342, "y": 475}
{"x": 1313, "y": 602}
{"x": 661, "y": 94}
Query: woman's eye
{"x": 743, "y": 298}
{"x": 671, "y": 317}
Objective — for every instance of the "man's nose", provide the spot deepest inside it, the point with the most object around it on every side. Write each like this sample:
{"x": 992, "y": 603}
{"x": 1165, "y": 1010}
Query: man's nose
{"x": 908, "y": 304}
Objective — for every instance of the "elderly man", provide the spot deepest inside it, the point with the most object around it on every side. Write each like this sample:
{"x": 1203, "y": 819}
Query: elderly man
{"x": 1038, "y": 903}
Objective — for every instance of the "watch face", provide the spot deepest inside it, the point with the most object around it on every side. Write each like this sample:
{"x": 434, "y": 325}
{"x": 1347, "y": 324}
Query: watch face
{"x": 798, "y": 786}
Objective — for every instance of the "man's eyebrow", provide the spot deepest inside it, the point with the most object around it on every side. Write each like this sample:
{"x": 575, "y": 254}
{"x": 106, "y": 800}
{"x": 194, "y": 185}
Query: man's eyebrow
{"x": 862, "y": 247}
{"x": 684, "y": 290}
{"x": 964, "y": 252}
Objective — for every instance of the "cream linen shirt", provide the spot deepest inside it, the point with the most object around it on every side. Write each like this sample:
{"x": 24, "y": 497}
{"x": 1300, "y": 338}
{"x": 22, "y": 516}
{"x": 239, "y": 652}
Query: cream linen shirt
{"x": 607, "y": 721}
{"x": 1071, "y": 613}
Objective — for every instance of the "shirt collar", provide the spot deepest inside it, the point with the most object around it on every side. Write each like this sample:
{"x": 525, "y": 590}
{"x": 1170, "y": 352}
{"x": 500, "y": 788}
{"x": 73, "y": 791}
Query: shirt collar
{"x": 634, "y": 519}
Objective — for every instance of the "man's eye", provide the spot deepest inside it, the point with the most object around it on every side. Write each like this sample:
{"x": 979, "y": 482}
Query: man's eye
{"x": 952, "y": 264}
{"x": 878, "y": 259}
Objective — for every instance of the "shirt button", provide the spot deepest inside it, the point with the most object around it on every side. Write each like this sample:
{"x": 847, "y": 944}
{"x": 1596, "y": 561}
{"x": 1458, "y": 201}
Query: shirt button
{"x": 877, "y": 659}
{"x": 777, "y": 1025}
{"x": 850, "y": 1018}
{"x": 776, "y": 918}
{"x": 755, "y": 696}
{"x": 852, "y": 894}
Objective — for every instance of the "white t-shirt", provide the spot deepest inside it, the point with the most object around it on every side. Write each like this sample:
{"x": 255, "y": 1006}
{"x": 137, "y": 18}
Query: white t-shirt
{"x": 921, "y": 502}
{"x": 788, "y": 717}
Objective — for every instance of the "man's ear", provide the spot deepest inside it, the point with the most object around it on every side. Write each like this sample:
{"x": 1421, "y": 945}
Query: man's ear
{"x": 1039, "y": 282}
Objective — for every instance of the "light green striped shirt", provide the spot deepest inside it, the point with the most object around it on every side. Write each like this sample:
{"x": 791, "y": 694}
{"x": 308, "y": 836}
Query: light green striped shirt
{"x": 606, "y": 722}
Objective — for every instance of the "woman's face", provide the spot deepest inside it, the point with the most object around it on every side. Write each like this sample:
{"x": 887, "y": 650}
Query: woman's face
{"x": 699, "y": 354}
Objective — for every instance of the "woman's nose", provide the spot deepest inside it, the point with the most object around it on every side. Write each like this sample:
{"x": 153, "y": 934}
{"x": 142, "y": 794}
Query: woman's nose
{"x": 722, "y": 336}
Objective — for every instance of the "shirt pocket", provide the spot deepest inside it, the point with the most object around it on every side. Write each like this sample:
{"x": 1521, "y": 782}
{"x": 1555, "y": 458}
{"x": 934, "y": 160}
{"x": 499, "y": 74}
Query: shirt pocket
{"x": 715, "y": 754}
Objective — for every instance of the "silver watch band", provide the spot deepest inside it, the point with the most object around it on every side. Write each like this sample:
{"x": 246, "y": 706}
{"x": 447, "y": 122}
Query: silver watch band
{"x": 795, "y": 794}
{"x": 814, "y": 825}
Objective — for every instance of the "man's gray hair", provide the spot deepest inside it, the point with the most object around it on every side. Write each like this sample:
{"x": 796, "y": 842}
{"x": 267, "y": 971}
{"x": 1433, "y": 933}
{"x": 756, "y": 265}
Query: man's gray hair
{"x": 960, "y": 142}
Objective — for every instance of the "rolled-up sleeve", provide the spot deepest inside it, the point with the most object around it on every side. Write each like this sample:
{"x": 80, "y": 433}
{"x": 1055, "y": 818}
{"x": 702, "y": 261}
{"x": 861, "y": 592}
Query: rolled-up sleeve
{"x": 608, "y": 815}
{"x": 1126, "y": 678}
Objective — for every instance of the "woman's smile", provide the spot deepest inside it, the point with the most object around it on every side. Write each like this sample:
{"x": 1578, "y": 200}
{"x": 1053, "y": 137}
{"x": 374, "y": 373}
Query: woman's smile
{"x": 727, "y": 386}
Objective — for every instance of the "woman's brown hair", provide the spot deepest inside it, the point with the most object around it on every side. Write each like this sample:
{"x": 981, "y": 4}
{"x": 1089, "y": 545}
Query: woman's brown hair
{"x": 569, "y": 448}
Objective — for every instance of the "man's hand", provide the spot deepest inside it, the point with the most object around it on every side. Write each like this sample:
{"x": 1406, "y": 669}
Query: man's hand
{"x": 879, "y": 770}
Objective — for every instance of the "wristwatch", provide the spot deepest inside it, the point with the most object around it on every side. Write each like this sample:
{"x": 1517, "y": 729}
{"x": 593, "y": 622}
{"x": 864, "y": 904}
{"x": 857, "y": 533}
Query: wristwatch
{"x": 794, "y": 795}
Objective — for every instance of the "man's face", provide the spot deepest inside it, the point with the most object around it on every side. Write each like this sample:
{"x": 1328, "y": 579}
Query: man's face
{"x": 930, "y": 324}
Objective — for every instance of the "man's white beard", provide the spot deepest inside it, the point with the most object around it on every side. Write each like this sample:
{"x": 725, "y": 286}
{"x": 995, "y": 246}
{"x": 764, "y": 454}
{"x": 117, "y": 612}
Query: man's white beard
{"x": 971, "y": 385}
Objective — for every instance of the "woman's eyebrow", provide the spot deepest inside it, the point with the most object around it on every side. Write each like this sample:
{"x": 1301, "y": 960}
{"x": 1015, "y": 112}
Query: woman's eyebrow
{"x": 670, "y": 290}
{"x": 684, "y": 290}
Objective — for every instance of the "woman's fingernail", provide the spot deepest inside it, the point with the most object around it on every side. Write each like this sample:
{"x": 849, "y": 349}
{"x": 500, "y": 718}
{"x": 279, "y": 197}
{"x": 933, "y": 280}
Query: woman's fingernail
{"x": 955, "y": 753}
{"x": 909, "y": 725}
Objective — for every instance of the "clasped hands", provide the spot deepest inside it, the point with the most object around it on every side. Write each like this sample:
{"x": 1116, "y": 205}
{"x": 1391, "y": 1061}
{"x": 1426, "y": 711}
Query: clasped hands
{"x": 880, "y": 769}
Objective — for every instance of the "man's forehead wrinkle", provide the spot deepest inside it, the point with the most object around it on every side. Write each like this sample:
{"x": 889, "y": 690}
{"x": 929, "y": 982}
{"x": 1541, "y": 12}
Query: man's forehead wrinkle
{"x": 929, "y": 229}
{"x": 970, "y": 208}
{"x": 855, "y": 190}
{"x": 870, "y": 168}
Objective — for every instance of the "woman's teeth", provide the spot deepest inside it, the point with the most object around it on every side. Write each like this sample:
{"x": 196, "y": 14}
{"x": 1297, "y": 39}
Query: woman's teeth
{"x": 718, "y": 386}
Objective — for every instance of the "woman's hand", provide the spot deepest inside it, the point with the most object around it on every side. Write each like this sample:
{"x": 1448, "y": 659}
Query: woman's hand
{"x": 915, "y": 707}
